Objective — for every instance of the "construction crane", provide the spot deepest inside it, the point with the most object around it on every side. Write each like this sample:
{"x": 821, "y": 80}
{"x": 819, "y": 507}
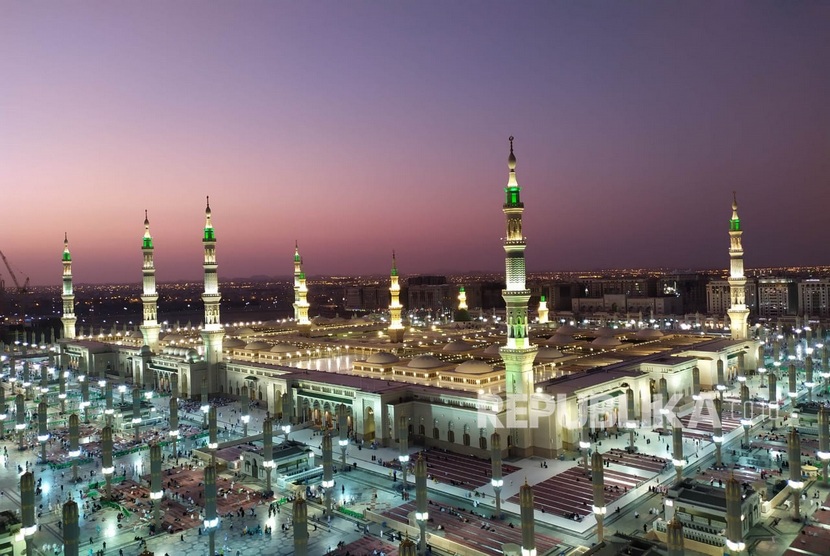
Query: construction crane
{"x": 19, "y": 289}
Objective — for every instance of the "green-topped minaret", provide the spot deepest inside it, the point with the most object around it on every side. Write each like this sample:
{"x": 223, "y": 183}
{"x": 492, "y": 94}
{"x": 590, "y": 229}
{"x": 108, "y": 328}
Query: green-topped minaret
{"x": 149, "y": 297}
{"x": 212, "y": 331}
{"x": 298, "y": 270}
{"x": 396, "y": 329}
{"x": 68, "y": 295}
{"x": 738, "y": 311}
{"x": 518, "y": 353}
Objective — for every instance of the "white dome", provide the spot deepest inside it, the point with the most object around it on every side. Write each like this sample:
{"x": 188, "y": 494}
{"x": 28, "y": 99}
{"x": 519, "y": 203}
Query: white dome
{"x": 605, "y": 332}
{"x": 474, "y": 367}
{"x": 283, "y": 348}
{"x": 560, "y": 340}
{"x": 231, "y": 343}
{"x": 546, "y": 352}
{"x": 492, "y": 349}
{"x": 648, "y": 334}
{"x": 382, "y": 358}
{"x": 568, "y": 329}
{"x": 256, "y": 346}
{"x": 605, "y": 342}
{"x": 457, "y": 346}
{"x": 135, "y": 334}
{"x": 245, "y": 332}
{"x": 425, "y": 362}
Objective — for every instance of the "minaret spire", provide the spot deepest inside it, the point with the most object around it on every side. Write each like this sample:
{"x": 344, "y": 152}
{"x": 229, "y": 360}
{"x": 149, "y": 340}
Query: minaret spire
{"x": 301, "y": 304}
{"x": 518, "y": 354}
{"x": 395, "y": 329}
{"x": 68, "y": 295}
{"x": 149, "y": 297}
{"x": 212, "y": 332}
{"x": 738, "y": 311}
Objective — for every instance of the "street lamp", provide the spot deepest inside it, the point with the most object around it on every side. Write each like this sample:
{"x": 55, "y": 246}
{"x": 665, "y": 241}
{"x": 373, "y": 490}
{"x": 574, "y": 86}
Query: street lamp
{"x": 286, "y": 429}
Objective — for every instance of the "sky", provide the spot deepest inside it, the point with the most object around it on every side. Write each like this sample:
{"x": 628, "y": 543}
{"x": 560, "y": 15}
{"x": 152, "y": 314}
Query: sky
{"x": 362, "y": 127}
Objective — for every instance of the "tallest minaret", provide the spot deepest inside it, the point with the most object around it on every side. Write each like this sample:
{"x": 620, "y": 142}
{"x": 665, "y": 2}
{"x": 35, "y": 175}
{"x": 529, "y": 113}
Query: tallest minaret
{"x": 518, "y": 353}
{"x": 212, "y": 333}
{"x": 149, "y": 297}
{"x": 737, "y": 312}
{"x": 68, "y": 296}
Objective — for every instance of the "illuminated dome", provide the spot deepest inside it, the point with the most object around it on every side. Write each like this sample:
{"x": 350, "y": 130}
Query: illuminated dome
{"x": 135, "y": 334}
{"x": 492, "y": 350}
{"x": 605, "y": 332}
{"x": 320, "y": 320}
{"x": 192, "y": 355}
{"x": 547, "y": 353}
{"x": 648, "y": 334}
{"x": 283, "y": 348}
{"x": 231, "y": 343}
{"x": 568, "y": 329}
{"x": 245, "y": 332}
{"x": 457, "y": 346}
{"x": 474, "y": 367}
{"x": 258, "y": 345}
{"x": 606, "y": 342}
{"x": 425, "y": 362}
{"x": 382, "y": 358}
{"x": 560, "y": 340}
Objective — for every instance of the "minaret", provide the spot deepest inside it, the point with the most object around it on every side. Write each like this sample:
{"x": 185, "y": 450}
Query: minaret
{"x": 298, "y": 270}
{"x": 518, "y": 354}
{"x": 543, "y": 310}
{"x": 737, "y": 312}
{"x": 300, "y": 296}
{"x": 149, "y": 297}
{"x": 212, "y": 333}
{"x": 395, "y": 308}
{"x": 68, "y": 296}
{"x": 462, "y": 299}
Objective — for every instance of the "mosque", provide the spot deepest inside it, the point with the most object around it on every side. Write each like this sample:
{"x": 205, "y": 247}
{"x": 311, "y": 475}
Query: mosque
{"x": 454, "y": 385}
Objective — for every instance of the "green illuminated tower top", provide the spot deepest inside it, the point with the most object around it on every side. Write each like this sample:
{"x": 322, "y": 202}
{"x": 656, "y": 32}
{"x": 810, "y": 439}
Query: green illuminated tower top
{"x": 149, "y": 298}
{"x": 68, "y": 295}
{"x": 147, "y": 242}
{"x": 738, "y": 311}
{"x": 735, "y": 222}
{"x": 209, "y": 233}
{"x": 512, "y": 198}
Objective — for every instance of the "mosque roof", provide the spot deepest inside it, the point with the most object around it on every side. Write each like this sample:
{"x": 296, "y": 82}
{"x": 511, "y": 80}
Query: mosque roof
{"x": 283, "y": 348}
{"x": 546, "y": 352}
{"x": 232, "y": 342}
{"x": 257, "y": 346}
{"x": 648, "y": 334}
{"x": 606, "y": 342}
{"x": 474, "y": 367}
{"x": 457, "y": 345}
{"x": 425, "y": 362}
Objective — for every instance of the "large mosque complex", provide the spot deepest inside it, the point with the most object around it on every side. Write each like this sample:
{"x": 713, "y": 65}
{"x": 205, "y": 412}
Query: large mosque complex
{"x": 455, "y": 385}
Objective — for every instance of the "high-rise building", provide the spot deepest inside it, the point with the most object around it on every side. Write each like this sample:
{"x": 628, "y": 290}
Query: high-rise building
{"x": 737, "y": 312}
{"x": 814, "y": 297}
{"x": 518, "y": 353}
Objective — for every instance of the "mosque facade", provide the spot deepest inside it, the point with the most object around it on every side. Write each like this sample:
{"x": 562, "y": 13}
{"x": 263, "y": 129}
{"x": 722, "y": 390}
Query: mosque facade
{"x": 455, "y": 386}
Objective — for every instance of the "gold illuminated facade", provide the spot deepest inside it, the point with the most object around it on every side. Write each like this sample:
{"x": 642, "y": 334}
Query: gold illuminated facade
{"x": 68, "y": 295}
{"x": 149, "y": 297}
{"x": 738, "y": 311}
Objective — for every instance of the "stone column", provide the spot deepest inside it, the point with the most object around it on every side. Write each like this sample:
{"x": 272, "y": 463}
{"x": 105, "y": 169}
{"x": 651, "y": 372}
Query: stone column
{"x": 403, "y": 445}
{"x": 328, "y": 477}
{"x": 598, "y": 483}
{"x": 42, "y": 430}
{"x": 794, "y": 458}
{"x": 108, "y": 411}
{"x": 808, "y": 379}
{"x": 664, "y": 400}
{"x": 717, "y": 436}
{"x": 721, "y": 385}
{"x": 734, "y": 524}
{"x": 746, "y": 412}
{"x": 793, "y": 393}
{"x": 343, "y": 425}
{"x": 211, "y": 521}
{"x": 268, "y": 453}
{"x": 62, "y": 388}
{"x": 85, "y": 396}
{"x": 300, "y": 527}
{"x": 630, "y": 420}
{"x": 495, "y": 470}
{"x": 421, "y": 512}
{"x": 107, "y": 467}
{"x": 677, "y": 449}
{"x": 205, "y": 404}
{"x": 213, "y": 433}
{"x": 585, "y": 439}
{"x": 174, "y": 424}
{"x": 674, "y": 540}
{"x": 27, "y": 504}
{"x": 695, "y": 383}
{"x": 74, "y": 449}
{"x": 772, "y": 392}
{"x": 156, "y": 491}
{"x": 823, "y": 452}
{"x": 20, "y": 405}
{"x": 528, "y": 534}
{"x": 137, "y": 413}
{"x": 71, "y": 531}
{"x": 3, "y": 413}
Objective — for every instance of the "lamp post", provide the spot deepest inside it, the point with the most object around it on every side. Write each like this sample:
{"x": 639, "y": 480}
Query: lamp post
{"x": 495, "y": 470}
{"x": 213, "y": 442}
{"x": 137, "y": 413}
{"x": 630, "y": 421}
{"x": 403, "y": 455}
{"x": 245, "y": 420}
{"x": 156, "y": 491}
{"x": 108, "y": 406}
{"x": 62, "y": 376}
{"x": 286, "y": 429}
{"x": 74, "y": 450}
{"x": 343, "y": 425}
{"x": 328, "y": 479}
{"x": 717, "y": 426}
{"x": 107, "y": 467}
{"x": 421, "y": 512}
{"x": 84, "y": 396}
{"x": 20, "y": 404}
{"x": 174, "y": 424}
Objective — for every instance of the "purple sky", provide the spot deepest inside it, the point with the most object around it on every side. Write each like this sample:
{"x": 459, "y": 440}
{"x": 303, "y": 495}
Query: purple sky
{"x": 362, "y": 127}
